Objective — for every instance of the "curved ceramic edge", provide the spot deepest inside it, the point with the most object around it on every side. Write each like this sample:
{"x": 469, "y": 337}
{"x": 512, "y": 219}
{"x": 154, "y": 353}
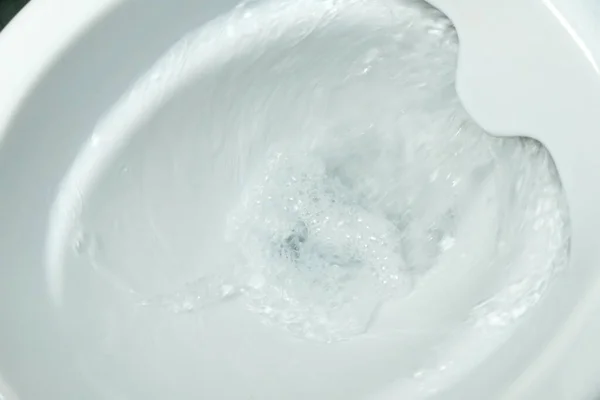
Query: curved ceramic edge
{"x": 6, "y": 393}
{"x": 44, "y": 28}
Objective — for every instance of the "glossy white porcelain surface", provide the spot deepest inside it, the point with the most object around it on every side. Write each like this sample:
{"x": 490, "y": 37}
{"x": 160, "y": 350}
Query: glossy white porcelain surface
{"x": 526, "y": 67}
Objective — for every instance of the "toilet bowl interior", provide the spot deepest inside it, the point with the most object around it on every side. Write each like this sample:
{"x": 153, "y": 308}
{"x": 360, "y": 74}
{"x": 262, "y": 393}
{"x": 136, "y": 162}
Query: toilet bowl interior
{"x": 66, "y": 312}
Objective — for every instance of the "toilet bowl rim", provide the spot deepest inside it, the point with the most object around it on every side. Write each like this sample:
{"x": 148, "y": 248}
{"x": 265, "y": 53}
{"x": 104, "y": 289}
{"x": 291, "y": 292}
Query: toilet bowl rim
{"x": 29, "y": 46}
{"x": 34, "y": 40}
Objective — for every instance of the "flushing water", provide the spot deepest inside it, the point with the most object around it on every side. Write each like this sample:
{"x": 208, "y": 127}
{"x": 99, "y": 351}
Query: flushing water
{"x": 356, "y": 187}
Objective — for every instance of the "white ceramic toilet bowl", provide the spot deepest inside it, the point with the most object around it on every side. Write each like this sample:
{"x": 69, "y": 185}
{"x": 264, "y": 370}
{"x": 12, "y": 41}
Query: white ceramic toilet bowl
{"x": 73, "y": 328}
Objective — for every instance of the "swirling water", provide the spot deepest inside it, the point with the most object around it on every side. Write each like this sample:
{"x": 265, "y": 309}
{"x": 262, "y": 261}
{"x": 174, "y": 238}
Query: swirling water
{"x": 358, "y": 168}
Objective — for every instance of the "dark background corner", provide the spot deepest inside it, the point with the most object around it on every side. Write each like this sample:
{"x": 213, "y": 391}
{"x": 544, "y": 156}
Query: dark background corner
{"x": 8, "y": 9}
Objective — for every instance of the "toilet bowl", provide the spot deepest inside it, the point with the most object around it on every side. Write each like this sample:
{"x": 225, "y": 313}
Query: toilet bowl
{"x": 110, "y": 206}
